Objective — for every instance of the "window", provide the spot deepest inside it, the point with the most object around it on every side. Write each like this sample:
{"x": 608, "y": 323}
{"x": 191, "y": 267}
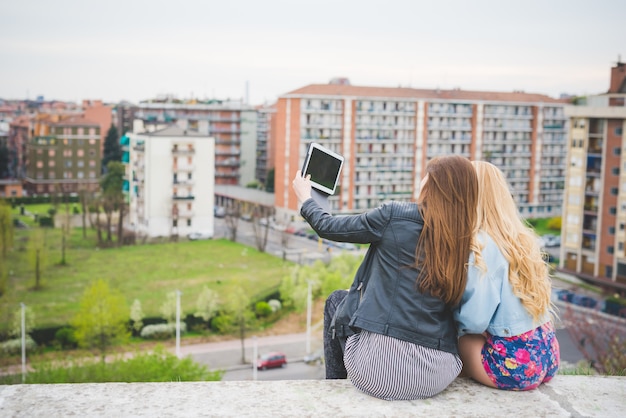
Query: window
{"x": 617, "y": 151}
{"x": 51, "y": 153}
{"x": 175, "y": 222}
{"x": 51, "y": 163}
{"x": 611, "y": 230}
{"x": 80, "y": 174}
{"x": 80, "y": 153}
{"x": 612, "y": 210}
{"x": 188, "y": 222}
{"x": 610, "y": 249}
{"x": 615, "y": 171}
{"x": 618, "y": 131}
{"x": 39, "y": 164}
{"x": 614, "y": 191}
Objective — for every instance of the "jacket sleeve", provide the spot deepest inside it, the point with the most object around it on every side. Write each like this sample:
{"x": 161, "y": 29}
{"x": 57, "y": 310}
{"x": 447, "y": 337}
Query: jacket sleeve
{"x": 359, "y": 229}
{"x": 480, "y": 301}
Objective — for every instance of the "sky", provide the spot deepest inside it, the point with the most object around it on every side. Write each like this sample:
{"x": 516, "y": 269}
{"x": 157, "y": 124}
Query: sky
{"x": 258, "y": 50}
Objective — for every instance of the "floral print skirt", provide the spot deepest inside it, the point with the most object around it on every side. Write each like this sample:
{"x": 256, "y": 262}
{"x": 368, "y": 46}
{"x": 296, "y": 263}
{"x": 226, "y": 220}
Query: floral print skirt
{"x": 524, "y": 361}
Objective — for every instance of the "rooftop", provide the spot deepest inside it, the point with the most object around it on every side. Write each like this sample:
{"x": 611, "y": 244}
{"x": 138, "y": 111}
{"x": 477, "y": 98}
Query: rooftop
{"x": 564, "y": 396}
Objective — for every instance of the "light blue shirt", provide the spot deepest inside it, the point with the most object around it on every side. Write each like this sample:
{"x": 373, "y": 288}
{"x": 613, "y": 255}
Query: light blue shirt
{"x": 488, "y": 303}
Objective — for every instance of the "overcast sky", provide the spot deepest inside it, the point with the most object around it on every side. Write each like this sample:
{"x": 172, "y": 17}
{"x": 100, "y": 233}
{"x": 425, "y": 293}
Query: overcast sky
{"x": 134, "y": 50}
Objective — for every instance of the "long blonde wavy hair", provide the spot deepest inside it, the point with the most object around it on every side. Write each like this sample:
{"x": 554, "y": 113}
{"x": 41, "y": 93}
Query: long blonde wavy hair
{"x": 498, "y": 216}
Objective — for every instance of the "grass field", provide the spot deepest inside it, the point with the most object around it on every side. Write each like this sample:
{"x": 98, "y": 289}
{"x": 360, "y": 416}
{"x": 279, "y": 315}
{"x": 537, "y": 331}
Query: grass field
{"x": 144, "y": 272}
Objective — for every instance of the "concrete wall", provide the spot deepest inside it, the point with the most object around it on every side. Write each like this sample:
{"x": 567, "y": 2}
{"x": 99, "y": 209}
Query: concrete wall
{"x": 564, "y": 396}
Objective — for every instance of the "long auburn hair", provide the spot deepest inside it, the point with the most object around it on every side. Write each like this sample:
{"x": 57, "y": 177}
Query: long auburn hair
{"x": 498, "y": 216}
{"x": 448, "y": 202}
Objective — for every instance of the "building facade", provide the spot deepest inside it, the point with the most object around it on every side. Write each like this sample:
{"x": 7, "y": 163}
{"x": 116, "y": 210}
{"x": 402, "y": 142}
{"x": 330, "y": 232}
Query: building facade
{"x": 387, "y": 135}
{"x": 63, "y": 156}
{"x": 232, "y": 124}
{"x": 266, "y": 126}
{"x": 170, "y": 182}
{"x": 594, "y": 218}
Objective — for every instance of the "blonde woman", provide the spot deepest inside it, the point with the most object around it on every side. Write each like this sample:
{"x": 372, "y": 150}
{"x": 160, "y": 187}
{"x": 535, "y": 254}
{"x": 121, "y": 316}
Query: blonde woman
{"x": 506, "y": 338}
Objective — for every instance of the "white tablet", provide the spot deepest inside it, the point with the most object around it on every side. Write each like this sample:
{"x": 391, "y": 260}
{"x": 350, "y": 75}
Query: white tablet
{"x": 324, "y": 166}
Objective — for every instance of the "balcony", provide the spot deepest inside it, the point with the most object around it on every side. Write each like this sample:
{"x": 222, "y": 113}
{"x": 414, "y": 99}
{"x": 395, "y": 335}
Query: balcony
{"x": 183, "y": 151}
{"x": 188, "y": 197}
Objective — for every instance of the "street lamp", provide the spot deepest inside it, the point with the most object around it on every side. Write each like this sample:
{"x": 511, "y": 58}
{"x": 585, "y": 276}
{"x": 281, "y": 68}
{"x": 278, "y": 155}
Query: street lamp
{"x": 178, "y": 293}
{"x": 308, "y": 318}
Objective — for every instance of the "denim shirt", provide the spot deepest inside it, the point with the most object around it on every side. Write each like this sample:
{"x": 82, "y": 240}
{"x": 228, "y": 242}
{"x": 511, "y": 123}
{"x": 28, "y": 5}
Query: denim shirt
{"x": 488, "y": 303}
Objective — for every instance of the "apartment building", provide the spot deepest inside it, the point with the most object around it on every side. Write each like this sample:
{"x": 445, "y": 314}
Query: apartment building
{"x": 102, "y": 114}
{"x": 232, "y": 124}
{"x": 63, "y": 155}
{"x": 266, "y": 125}
{"x": 594, "y": 212}
{"x": 388, "y": 134}
{"x": 170, "y": 182}
{"x": 124, "y": 117}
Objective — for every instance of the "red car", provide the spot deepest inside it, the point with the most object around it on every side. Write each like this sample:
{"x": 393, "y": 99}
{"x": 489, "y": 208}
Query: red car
{"x": 270, "y": 360}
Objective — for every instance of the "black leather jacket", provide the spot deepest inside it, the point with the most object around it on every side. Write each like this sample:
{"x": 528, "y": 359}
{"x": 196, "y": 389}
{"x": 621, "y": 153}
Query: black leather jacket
{"x": 383, "y": 297}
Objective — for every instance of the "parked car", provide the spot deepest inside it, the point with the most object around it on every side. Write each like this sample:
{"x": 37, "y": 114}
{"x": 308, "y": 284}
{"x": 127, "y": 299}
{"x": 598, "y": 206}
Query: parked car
{"x": 219, "y": 211}
{"x": 301, "y": 232}
{"x": 271, "y": 360}
{"x": 585, "y": 301}
{"x": 194, "y": 236}
{"x": 565, "y": 295}
{"x": 550, "y": 240}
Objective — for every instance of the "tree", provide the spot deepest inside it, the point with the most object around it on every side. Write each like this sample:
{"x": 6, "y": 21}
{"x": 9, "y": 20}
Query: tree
{"x": 168, "y": 308}
{"x": 206, "y": 304}
{"x": 6, "y": 229}
{"x": 112, "y": 195}
{"x": 136, "y": 315}
{"x": 112, "y": 149}
{"x": 102, "y": 318}
{"x": 16, "y": 324}
{"x": 238, "y": 306}
{"x": 233, "y": 213}
{"x": 269, "y": 187}
{"x": 38, "y": 254}
{"x": 261, "y": 225}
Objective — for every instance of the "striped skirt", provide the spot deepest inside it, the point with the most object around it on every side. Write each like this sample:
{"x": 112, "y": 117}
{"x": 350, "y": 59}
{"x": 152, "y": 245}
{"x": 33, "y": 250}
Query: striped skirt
{"x": 392, "y": 369}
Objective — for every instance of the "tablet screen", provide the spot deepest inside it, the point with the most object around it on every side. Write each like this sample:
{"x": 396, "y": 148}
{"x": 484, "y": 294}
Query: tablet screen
{"x": 324, "y": 167}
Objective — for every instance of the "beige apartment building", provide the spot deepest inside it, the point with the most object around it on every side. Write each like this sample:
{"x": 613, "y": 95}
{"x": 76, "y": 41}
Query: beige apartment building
{"x": 387, "y": 135}
{"x": 232, "y": 124}
{"x": 594, "y": 213}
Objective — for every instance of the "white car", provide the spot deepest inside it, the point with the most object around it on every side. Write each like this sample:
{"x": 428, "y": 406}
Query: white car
{"x": 194, "y": 236}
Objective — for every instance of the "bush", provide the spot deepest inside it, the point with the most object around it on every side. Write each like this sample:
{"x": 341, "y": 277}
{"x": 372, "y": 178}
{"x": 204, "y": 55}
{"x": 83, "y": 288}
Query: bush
{"x": 222, "y": 323}
{"x": 275, "y": 305}
{"x": 158, "y": 366}
{"x": 66, "y": 338}
{"x": 14, "y": 346}
{"x": 46, "y": 221}
{"x": 554, "y": 223}
{"x": 263, "y": 309}
{"x": 161, "y": 331}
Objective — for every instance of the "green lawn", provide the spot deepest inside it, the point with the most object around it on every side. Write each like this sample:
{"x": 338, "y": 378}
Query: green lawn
{"x": 144, "y": 272}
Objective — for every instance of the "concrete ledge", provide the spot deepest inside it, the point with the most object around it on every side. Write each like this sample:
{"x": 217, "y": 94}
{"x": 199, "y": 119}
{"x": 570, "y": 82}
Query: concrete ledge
{"x": 565, "y": 396}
